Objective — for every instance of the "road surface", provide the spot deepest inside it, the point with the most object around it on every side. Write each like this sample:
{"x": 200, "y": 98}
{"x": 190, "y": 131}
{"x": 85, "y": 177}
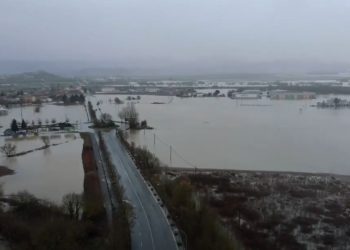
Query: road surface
{"x": 151, "y": 229}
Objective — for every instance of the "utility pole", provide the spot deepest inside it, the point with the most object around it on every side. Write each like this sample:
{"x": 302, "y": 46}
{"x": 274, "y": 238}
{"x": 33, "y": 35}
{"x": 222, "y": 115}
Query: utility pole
{"x": 21, "y": 110}
{"x": 184, "y": 236}
{"x": 171, "y": 149}
{"x": 154, "y": 143}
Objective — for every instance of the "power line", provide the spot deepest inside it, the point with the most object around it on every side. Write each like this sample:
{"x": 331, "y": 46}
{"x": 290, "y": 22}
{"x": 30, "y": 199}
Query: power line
{"x": 173, "y": 150}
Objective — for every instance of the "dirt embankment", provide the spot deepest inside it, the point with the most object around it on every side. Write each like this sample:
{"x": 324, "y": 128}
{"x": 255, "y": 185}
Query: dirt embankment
{"x": 5, "y": 171}
{"x": 92, "y": 189}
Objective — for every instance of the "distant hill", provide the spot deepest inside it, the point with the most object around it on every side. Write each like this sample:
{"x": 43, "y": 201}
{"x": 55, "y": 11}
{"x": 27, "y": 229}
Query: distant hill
{"x": 37, "y": 77}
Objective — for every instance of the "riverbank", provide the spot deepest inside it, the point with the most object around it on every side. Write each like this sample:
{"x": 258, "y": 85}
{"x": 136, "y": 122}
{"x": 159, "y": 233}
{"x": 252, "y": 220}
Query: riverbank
{"x": 93, "y": 197}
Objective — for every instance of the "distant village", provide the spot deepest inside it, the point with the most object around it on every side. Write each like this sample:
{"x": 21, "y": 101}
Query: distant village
{"x": 64, "y": 96}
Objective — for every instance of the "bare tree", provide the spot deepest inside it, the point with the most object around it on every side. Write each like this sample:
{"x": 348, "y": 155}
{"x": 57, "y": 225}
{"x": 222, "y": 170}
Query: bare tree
{"x": 118, "y": 101}
{"x": 8, "y": 149}
{"x": 37, "y": 109}
{"x": 73, "y": 205}
{"x": 130, "y": 114}
{"x": 106, "y": 118}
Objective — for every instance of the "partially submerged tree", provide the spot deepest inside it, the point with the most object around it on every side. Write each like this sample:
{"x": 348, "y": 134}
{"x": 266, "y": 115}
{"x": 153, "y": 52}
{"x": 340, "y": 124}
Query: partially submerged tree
{"x": 106, "y": 118}
{"x": 92, "y": 112}
{"x": 37, "y": 109}
{"x": 24, "y": 124}
{"x": 130, "y": 114}
{"x": 336, "y": 101}
{"x": 14, "y": 125}
{"x": 46, "y": 140}
{"x": 8, "y": 149}
{"x": 118, "y": 101}
{"x": 143, "y": 124}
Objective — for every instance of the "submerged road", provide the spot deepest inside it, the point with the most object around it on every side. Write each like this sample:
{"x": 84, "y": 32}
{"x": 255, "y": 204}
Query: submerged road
{"x": 151, "y": 229}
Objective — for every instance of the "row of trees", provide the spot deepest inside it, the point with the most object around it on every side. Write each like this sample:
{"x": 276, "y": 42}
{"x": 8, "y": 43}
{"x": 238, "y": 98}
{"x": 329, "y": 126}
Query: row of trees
{"x": 130, "y": 115}
{"x": 105, "y": 120}
{"x": 24, "y": 125}
{"x": 199, "y": 223}
{"x": 92, "y": 112}
{"x": 32, "y": 223}
{"x": 15, "y": 127}
{"x": 123, "y": 215}
{"x": 73, "y": 99}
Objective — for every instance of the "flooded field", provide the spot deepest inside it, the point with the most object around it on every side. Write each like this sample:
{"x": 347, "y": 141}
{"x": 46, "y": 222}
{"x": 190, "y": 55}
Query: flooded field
{"x": 203, "y": 133}
{"x": 244, "y": 134}
{"x": 48, "y": 173}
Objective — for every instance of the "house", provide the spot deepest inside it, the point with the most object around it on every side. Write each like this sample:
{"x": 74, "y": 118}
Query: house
{"x": 286, "y": 95}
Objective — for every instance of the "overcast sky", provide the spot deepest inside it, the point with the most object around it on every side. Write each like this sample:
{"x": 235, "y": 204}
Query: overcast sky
{"x": 175, "y": 31}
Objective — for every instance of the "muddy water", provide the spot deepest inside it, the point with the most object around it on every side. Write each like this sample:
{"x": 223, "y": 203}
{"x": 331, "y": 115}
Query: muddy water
{"x": 246, "y": 134}
{"x": 48, "y": 173}
{"x": 203, "y": 132}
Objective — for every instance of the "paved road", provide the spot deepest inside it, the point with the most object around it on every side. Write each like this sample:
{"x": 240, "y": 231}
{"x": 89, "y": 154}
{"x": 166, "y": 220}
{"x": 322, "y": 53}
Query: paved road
{"x": 151, "y": 230}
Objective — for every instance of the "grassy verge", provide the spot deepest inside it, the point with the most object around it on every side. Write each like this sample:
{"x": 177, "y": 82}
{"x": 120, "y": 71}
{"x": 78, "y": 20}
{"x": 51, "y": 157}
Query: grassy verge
{"x": 123, "y": 215}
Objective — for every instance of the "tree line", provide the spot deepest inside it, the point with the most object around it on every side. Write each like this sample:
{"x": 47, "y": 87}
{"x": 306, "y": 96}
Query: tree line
{"x": 200, "y": 224}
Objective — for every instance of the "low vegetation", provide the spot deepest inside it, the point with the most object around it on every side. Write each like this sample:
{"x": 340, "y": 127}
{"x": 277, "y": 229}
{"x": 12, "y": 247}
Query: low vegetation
{"x": 105, "y": 120}
{"x": 8, "y": 149}
{"x": 279, "y": 210}
{"x": 79, "y": 222}
{"x": 31, "y": 223}
{"x": 199, "y": 224}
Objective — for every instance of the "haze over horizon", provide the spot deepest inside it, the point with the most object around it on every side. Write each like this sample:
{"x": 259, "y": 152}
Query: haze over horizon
{"x": 179, "y": 37}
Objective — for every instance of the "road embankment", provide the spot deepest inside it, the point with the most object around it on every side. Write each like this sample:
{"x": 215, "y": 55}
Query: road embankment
{"x": 93, "y": 198}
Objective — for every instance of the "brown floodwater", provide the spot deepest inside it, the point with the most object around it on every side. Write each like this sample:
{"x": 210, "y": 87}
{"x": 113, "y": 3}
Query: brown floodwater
{"x": 203, "y": 132}
{"x": 49, "y": 173}
{"x": 246, "y": 134}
